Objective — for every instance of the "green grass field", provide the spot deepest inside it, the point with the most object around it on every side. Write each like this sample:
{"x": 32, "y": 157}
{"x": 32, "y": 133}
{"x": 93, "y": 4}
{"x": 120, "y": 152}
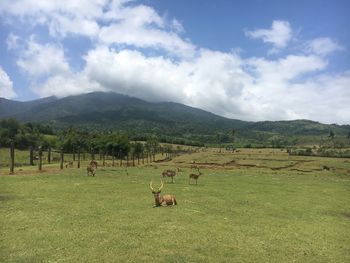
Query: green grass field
{"x": 249, "y": 206}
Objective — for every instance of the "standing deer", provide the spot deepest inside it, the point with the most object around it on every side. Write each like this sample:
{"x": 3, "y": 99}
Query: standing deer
{"x": 194, "y": 165}
{"x": 194, "y": 176}
{"x": 162, "y": 200}
{"x": 91, "y": 169}
{"x": 169, "y": 173}
{"x": 93, "y": 163}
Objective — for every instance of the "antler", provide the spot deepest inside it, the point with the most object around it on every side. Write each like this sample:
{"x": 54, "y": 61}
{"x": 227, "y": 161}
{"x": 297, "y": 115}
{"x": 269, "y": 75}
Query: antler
{"x": 150, "y": 185}
{"x": 161, "y": 186}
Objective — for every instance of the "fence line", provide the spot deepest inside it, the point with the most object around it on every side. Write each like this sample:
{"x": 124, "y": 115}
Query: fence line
{"x": 12, "y": 158}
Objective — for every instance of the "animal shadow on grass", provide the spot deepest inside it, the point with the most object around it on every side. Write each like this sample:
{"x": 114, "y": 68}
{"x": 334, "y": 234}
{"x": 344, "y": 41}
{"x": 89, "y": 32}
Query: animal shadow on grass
{"x": 347, "y": 215}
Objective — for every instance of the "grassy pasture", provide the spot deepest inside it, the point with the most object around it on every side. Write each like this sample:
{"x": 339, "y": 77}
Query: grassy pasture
{"x": 250, "y": 206}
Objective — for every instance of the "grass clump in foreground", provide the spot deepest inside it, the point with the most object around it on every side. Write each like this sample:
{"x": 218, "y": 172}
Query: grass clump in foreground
{"x": 235, "y": 215}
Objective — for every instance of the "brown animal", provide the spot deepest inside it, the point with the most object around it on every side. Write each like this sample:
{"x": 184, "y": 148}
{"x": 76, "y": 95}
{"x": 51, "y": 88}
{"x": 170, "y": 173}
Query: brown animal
{"x": 93, "y": 163}
{"x": 91, "y": 169}
{"x": 69, "y": 164}
{"x": 162, "y": 200}
{"x": 194, "y": 166}
{"x": 169, "y": 173}
{"x": 194, "y": 176}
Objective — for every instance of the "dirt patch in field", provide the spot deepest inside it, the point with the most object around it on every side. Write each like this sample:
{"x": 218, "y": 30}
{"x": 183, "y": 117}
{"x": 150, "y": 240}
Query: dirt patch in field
{"x": 300, "y": 170}
{"x": 297, "y": 162}
{"x": 163, "y": 160}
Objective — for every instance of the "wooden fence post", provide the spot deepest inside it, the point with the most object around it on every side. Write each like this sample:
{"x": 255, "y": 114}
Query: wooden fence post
{"x": 40, "y": 158}
{"x": 78, "y": 157}
{"x": 113, "y": 157}
{"x": 49, "y": 155}
{"x": 61, "y": 159}
{"x": 31, "y": 155}
{"x": 12, "y": 157}
{"x": 92, "y": 153}
{"x": 120, "y": 158}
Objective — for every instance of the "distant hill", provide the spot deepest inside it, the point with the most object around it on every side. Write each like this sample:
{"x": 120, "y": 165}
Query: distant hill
{"x": 106, "y": 111}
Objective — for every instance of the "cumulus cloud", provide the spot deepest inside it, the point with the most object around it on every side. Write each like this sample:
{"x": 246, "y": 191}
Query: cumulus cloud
{"x": 278, "y": 35}
{"x": 62, "y": 86}
{"x": 12, "y": 41}
{"x": 323, "y": 46}
{"x": 6, "y": 86}
{"x": 105, "y": 21}
{"x": 40, "y": 60}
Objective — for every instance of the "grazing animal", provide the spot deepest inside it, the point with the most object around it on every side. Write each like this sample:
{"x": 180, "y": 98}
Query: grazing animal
{"x": 93, "y": 163}
{"x": 162, "y": 200}
{"x": 56, "y": 159}
{"x": 91, "y": 169}
{"x": 194, "y": 166}
{"x": 169, "y": 173}
{"x": 69, "y": 164}
{"x": 194, "y": 176}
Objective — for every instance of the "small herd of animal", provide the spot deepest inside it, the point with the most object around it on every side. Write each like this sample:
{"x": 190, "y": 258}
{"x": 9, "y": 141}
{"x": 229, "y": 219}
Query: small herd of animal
{"x": 160, "y": 200}
{"x": 172, "y": 174}
{"x": 167, "y": 200}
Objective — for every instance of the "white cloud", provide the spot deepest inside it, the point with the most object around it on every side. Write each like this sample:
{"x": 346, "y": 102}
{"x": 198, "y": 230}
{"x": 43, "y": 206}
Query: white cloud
{"x": 12, "y": 41}
{"x": 142, "y": 27}
{"x": 6, "y": 86}
{"x": 146, "y": 38}
{"x": 62, "y": 86}
{"x": 36, "y": 8}
{"x": 278, "y": 35}
{"x": 323, "y": 46}
{"x": 63, "y": 25}
{"x": 177, "y": 26}
{"x": 105, "y": 21}
{"x": 39, "y": 60}
{"x": 287, "y": 68}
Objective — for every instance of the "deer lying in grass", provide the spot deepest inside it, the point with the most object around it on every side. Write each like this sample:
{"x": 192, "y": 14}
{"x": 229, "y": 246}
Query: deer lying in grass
{"x": 169, "y": 173}
{"x": 162, "y": 200}
{"x": 194, "y": 176}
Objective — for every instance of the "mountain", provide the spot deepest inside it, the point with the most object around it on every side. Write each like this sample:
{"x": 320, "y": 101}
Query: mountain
{"x": 106, "y": 111}
{"x": 11, "y": 107}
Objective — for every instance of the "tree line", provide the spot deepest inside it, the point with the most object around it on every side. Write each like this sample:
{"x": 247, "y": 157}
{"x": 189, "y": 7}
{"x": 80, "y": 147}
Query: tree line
{"x": 32, "y": 136}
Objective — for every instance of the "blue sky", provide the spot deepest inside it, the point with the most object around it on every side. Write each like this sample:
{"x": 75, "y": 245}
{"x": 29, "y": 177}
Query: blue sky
{"x": 250, "y": 60}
